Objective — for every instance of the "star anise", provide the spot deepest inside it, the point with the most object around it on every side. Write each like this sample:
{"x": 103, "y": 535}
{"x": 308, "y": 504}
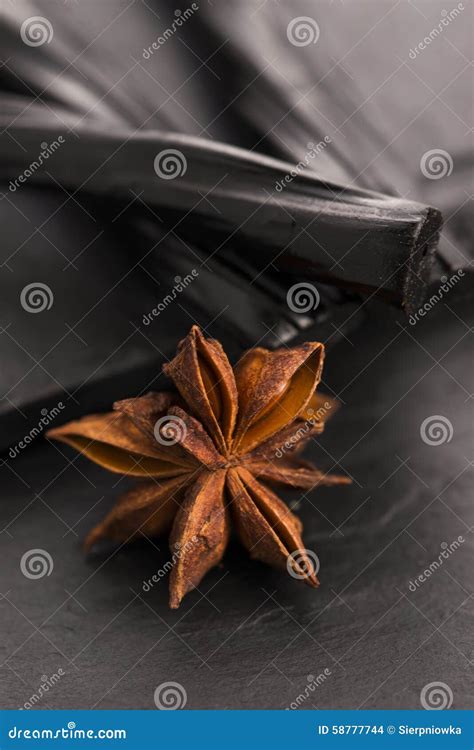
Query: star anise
{"x": 208, "y": 451}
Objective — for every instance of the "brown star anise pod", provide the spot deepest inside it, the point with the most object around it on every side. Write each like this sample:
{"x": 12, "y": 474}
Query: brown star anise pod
{"x": 203, "y": 452}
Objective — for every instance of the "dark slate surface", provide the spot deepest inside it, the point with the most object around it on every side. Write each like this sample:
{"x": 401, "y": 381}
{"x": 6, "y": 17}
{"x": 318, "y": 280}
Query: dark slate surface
{"x": 250, "y": 636}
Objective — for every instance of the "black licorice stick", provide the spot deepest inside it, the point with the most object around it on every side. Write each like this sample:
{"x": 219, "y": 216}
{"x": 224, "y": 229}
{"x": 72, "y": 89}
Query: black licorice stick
{"x": 232, "y": 200}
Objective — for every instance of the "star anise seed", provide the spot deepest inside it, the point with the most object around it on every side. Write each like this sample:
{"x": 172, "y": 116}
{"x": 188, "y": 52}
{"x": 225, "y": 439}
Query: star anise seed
{"x": 205, "y": 454}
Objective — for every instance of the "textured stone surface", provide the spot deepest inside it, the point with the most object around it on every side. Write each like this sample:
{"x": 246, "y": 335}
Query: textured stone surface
{"x": 250, "y": 636}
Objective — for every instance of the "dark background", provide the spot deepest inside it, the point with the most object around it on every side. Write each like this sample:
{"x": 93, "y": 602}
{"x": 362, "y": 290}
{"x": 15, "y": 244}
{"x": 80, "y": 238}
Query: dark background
{"x": 249, "y": 636}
